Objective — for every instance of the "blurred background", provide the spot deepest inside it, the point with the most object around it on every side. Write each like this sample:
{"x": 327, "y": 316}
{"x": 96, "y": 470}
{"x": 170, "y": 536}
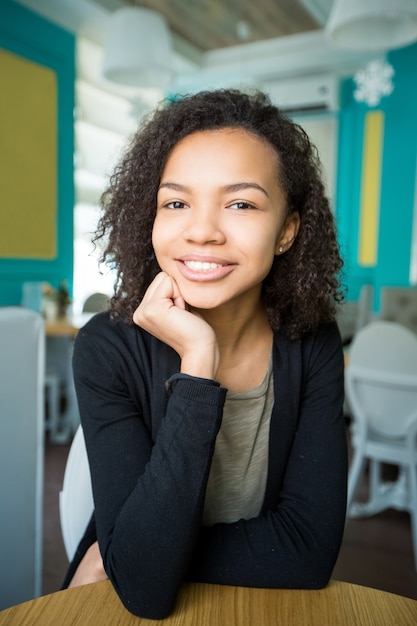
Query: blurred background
{"x": 78, "y": 76}
{"x": 368, "y": 148}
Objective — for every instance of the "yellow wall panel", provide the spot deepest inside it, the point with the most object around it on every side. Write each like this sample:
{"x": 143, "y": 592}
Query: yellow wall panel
{"x": 370, "y": 188}
{"x": 28, "y": 161}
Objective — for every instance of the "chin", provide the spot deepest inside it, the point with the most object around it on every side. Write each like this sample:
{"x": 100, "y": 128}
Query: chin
{"x": 209, "y": 297}
{"x": 203, "y": 301}
{"x": 203, "y": 304}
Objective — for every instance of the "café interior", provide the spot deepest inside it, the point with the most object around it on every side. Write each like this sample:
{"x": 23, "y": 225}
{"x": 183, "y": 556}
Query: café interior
{"x": 67, "y": 112}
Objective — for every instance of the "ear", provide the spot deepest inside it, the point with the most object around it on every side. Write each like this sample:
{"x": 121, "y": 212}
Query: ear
{"x": 288, "y": 233}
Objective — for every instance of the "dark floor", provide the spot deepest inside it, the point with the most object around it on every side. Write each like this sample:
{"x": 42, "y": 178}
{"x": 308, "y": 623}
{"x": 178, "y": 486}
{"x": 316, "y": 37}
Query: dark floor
{"x": 376, "y": 552}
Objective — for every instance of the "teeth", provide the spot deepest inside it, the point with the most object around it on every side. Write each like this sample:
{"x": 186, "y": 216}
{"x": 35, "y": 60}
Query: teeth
{"x": 201, "y": 265}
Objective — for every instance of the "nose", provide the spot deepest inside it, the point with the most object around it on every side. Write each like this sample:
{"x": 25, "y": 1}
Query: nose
{"x": 204, "y": 227}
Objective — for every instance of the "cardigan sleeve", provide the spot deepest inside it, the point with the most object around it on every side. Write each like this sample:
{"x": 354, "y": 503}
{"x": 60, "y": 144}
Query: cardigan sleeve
{"x": 148, "y": 489}
{"x": 295, "y": 542}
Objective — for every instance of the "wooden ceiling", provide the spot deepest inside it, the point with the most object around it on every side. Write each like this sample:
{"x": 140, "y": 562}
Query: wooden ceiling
{"x": 212, "y": 24}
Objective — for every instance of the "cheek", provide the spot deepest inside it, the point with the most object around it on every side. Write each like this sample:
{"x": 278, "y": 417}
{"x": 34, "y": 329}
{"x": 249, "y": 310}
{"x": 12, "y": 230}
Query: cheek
{"x": 153, "y": 238}
{"x": 263, "y": 242}
{"x": 161, "y": 245}
{"x": 156, "y": 247}
{"x": 157, "y": 235}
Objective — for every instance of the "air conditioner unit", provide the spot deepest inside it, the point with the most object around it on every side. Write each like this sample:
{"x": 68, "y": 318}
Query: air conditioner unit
{"x": 308, "y": 93}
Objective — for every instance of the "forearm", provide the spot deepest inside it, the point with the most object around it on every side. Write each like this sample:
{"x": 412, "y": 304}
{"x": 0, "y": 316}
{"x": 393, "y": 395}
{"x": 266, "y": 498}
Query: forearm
{"x": 148, "y": 543}
{"x": 286, "y": 548}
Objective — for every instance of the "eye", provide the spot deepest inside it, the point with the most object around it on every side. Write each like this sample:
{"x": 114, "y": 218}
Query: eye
{"x": 241, "y": 205}
{"x": 174, "y": 204}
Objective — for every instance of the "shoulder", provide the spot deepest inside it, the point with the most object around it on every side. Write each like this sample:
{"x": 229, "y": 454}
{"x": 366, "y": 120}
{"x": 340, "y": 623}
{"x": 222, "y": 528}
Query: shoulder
{"x": 113, "y": 341}
{"x": 321, "y": 349}
{"x": 102, "y": 334}
{"x": 102, "y": 328}
{"x": 102, "y": 325}
{"x": 326, "y": 336}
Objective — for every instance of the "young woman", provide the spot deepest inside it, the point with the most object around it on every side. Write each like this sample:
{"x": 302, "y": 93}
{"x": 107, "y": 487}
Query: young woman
{"x": 211, "y": 395}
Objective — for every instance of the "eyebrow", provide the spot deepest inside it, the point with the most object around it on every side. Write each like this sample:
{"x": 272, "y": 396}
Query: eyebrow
{"x": 227, "y": 188}
{"x": 174, "y": 186}
{"x": 245, "y": 185}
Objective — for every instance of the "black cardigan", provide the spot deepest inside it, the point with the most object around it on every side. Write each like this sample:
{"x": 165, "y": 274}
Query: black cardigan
{"x": 150, "y": 435}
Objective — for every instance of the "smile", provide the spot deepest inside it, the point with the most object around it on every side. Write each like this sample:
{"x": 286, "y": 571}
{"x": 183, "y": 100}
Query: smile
{"x": 202, "y": 266}
{"x": 204, "y": 270}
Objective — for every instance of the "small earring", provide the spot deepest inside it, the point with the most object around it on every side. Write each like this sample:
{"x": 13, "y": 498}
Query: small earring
{"x": 280, "y": 249}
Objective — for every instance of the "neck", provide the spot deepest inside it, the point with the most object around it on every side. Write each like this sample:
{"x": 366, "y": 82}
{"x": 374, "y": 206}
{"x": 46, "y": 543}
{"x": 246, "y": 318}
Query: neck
{"x": 233, "y": 328}
{"x": 244, "y": 341}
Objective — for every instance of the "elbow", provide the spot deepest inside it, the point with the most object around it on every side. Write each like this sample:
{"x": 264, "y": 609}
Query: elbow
{"x": 315, "y": 579}
{"x": 309, "y": 568}
{"x": 317, "y": 570}
{"x": 144, "y": 594}
{"x": 146, "y": 610}
{"x": 144, "y": 604}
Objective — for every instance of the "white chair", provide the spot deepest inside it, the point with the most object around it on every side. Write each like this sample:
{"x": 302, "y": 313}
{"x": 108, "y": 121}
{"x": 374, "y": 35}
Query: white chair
{"x": 399, "y": 304}
{"x": 32, "y": 298}
{"x": 22, "y": 367}
{"x": 381, "y": 387}
{"x": 76, "y": 498}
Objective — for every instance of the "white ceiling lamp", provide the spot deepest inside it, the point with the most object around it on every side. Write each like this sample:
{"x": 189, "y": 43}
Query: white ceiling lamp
{"x": 378, "y": 25}
{"x": 138, "y": 49}
{"x": 372, "y": 24}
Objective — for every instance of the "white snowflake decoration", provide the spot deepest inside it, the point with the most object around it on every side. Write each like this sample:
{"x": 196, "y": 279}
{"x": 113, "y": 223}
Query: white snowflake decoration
{"x": 374, "y": 82}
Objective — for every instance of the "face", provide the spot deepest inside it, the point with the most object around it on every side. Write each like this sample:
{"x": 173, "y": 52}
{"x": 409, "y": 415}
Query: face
{"x": 221, "y": 217}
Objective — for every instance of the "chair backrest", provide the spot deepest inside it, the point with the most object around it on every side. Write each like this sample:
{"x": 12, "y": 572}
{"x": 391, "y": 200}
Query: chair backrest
{"x": 353, "y": 315}
{"x": 96, "y": 303}
{"x": 22, "y": 370}
{"x": 381, "y": 378}
{"x": 76, "y": 498}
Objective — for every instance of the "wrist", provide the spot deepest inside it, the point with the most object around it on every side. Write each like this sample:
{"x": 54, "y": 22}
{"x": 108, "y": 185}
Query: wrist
{"x": 201, "y": 364}
{"x": 198, "y": 369}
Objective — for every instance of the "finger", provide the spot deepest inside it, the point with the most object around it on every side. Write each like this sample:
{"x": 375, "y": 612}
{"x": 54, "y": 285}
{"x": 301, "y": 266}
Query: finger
{"x": 176, "y": 297}
{"x": 159, "y": 291}
{"x": 180, "y": 303}
{"x": 159, "y": 278}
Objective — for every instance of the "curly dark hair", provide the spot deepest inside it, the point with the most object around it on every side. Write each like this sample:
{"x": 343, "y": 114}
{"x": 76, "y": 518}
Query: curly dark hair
{"x": 303, "y": 287}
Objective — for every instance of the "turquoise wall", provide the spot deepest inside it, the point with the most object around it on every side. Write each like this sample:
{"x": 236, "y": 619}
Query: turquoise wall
{"x": 24, "y": 33}
{"x": 397, "y": 179}
{"x": 399, "y": 170}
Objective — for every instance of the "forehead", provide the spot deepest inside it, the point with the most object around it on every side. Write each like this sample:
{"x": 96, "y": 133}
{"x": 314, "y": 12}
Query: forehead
{"x": 225, "y": 147}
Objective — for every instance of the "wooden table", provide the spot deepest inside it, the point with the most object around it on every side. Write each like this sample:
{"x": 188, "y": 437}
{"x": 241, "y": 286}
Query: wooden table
{"x": 66, "y": 326}
{"x": 340, "y": 604}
